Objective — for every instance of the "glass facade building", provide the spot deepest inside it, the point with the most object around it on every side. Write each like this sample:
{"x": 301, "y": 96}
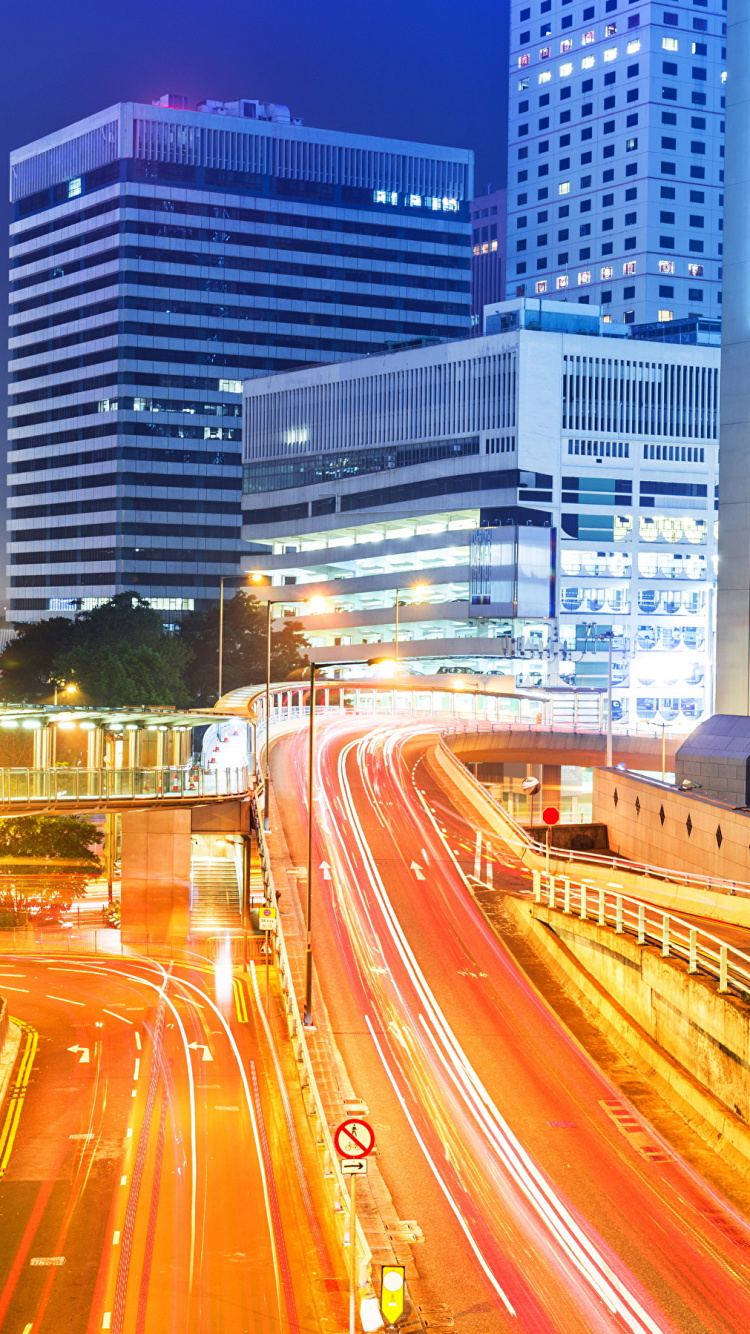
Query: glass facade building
{"x": 616, "y": 155}
{"x": 159, "y": 257}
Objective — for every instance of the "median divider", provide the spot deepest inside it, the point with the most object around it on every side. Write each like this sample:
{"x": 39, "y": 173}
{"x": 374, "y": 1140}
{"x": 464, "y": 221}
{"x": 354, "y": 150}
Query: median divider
{"x": 335, "y": 1185}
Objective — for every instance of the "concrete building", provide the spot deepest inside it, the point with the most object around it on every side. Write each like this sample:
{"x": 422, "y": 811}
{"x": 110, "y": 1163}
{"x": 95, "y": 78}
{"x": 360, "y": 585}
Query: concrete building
{"x": 488, "y": 231}
{"x": 546, "y": 483}
{"x": 159, "y": 256}
{"x": 616, "y": 171}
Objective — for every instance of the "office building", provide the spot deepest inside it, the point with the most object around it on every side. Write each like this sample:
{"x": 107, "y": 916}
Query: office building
{"x": 159, "y": 256}
{"x": 487, "y": 214}
{"x": 517, "y": 495}
{"x": 616, "y": 155}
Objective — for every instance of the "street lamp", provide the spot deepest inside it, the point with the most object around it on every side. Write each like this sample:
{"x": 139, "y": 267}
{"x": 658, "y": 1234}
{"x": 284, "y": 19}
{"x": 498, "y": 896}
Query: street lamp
{"x": 66, "y": 690}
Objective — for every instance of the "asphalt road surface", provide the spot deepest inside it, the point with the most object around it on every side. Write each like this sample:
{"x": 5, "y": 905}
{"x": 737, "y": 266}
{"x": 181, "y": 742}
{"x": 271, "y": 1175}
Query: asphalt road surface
{"x": 146, "y": 1189}
{"x": 548, "y": 1204}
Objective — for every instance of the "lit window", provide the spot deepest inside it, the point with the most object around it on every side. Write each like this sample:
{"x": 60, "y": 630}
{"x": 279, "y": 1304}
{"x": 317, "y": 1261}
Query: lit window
{"x": 523, "y": 85}
{"x": 545, "y": 76}
{"x": 588, "y": 62}
{"x": 664, "y": 316}
{"x": 414, "y": 201}
{"x": 385, "y": 197}
{"x": 493, "y": 245}
{"x": 695, "y": 270}
{"x": 607, "y": 273}
{"x": 523, "y": 61}
{"x": 666, "y": 266}
{"x": 450, "y": 206}
{"x": 566, "y": 45}
{"x": 723, "y": 76}
{"x": 584, "y": 277}
{"x": 610, "y": 29}
{"x": 633, "y": 48}
{"x": 566, "y": 70}
{"x": 545, "y": 52}
{"x": 561, "y": 282}
{"x": 631, "y": 145}
{"x": 587, "y": 38}
{"x": 610, "y": 53}
{"x": 563, "y": 188}
{"x": 485, "y": 247}
{"x": 670, "y": 44}
{"x": 628, "y": 268}
{"x": 541, "y": 287}
{"x": 230, "y": 386}
{"x": 75, "y": 187}
{"x": 476, "y": 250}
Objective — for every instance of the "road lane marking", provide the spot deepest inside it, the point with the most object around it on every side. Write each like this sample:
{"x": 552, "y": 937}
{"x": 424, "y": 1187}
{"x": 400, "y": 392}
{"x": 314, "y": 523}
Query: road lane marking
{"x": 66, "y": 1001}
{"x": 25, "y": 990}
{"x": 106, "y": 1320}
{"x": 118, "y": 1016}
{"x": 137, "y": 1069}
{"x": 134, "y": 1093}
{"x": 137, "y": 1036}
{"x": 86, "y": 1134}
{"x": 17, "y": 1094}
{"x": 45, "y": 1261}
{"x": 123, "y": 1181}
{"x": 239, "y": 1000}
{"x": 116, "y": 1239}
{"x": 130, "y": 1132}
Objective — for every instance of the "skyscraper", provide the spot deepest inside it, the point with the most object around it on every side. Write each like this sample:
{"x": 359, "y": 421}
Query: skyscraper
{"x": 488, "y": 216}
{"x": 616, "y": 145}
{"x": 158, "y": 257}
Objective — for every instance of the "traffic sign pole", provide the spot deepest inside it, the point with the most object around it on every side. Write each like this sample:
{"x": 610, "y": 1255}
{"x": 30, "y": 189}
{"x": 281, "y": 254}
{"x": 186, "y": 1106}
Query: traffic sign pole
{"x": 353, "y": 1255}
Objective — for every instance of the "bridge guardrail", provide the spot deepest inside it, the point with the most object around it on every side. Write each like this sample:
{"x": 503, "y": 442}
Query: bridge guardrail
{"x": 20, "y": 787}
{"x": 703, "y": 951}
{"x": 337, "y": 1190}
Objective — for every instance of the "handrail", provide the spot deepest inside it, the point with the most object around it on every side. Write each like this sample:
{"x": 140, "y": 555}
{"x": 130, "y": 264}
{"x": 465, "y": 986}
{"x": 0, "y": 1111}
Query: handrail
{"x": 67, "y": 786}
{"x": 333, "y": 1177}
{"x": 703, "y": 951}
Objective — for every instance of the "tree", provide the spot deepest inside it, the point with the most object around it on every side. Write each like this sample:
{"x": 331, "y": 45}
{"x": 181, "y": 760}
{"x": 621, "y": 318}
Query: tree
{"x": 118, "y": 655}
{"x": 54, "y": 861}
{"x": 244, "y": 648}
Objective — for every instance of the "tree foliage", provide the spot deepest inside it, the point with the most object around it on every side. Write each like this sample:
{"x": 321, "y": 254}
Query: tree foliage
{"x": 56, "y": 862}
{"x": 244, "y": 648}
{"x": 118, "y": 655}
{"x": 45, "y": 837}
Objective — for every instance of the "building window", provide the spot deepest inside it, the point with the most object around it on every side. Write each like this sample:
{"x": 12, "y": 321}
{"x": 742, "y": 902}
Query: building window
{"x": 669, "y": 44}
{"x": 520, "y": 268}
{"x": 633, "y": 48}
{"x": 607, "y": 224}
{"x": 695, "y": 293}
{"x": 697, "y": 146}
{"x": 669, "y": 144}
{"x": 75, "y": 187}
{"x": 666, "y": 291}
{"x": 671, "y": 20}
{"x": 561, "y": 282}
{"x": 544, "y": 77}
{"x": 695, "y": 270}
{"x": 541, "y": 287}
{"x": 697, "y": 173}
{"x": 628, "y": 268}
{"x": 669, "y": 94}
{"x": 565, "y": 71}
{"x": 607, "y": 273}
{"x": 588, "y": 37}
{"x": 584, "y": 277}
{"x": 628, "y": 293}
{"x": 696, "y": 247}
{"x": 610, "y": 54}
{"x": 668, "y": 168}
{"x": 628, "y": 317}
{"x": 563, "y": 188}
{"x": 666, "y": 266}
{"x": 664, "y": 316}
{"x": 631, "y": 145}
{"x": 697, "y": 220}
{"x": 588, "y": 62}
{"x": 566, "y": 45}
{"x": 524, "y": 60}
{"x": 666, "y": 243}
{"x": 545, "y": 53}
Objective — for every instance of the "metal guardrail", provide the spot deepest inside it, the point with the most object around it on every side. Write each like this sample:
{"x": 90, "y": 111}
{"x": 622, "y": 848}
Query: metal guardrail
{"x": 704, "y": 952}
{"x": 20, "y": 787}
{"x": 333, "y": 1180}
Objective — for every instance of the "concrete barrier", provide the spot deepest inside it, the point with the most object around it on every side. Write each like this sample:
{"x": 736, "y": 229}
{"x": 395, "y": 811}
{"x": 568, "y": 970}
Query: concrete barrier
{"x": 691, "y": 1042}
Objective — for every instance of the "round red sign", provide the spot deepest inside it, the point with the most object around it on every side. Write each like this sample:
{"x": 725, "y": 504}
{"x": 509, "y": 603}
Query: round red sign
{"x": 550, "y": 815}
{"x": 354, "y": 1138}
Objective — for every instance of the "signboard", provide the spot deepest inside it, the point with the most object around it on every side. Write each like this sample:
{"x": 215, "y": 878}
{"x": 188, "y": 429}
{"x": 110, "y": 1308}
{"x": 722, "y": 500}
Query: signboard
{"x": 354, "y": 1167}
{"x": 267, "y": 919}
{"x": 392, "y": 1286}
{"x": 354, "y": 1139}
{"x": 512, "y": 572}
{"x": 550, "y": 815}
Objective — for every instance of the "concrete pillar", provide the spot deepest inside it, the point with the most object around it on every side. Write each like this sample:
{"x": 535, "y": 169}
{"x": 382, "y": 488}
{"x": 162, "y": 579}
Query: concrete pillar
{"x": 161, "y": 748}
{"x": 155, "y": 874}
{"x": 733, "y": 598}
{"x": 95, "y": 748}
{"x": 133, "y": 738}
{"x": 551, "y": 784}
{"x": 42, "y": 747}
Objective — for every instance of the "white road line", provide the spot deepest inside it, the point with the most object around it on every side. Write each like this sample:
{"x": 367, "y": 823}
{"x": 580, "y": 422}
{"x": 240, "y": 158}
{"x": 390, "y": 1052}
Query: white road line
{"x": 116, "y": 1239}
{"x": 137, "y": 1069}
{"x": 66, "y": 1000}
{"x": 106, "y": 1320}
{"x": 123, "y": 1181}
{"x": 137, "y": 1036}
{"x": 117, "y": 1016}
{"x": 24, "y": 989}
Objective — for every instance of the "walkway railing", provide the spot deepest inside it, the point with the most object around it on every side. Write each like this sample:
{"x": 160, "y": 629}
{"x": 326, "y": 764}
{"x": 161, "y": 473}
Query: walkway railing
{"x": 19, "y": 787}
{"x": 704, "y": 952}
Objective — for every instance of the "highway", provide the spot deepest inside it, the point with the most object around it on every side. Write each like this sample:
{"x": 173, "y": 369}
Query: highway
{"x": 548, "y": 1204}
{"x": 149, "y": 1185}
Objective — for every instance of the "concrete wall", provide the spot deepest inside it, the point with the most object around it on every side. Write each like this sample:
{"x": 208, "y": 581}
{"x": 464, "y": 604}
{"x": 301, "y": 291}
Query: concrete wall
{"x": 637, "y": 830}
{"x": 155, "y": 874}
{"x": 658, "y": 1008}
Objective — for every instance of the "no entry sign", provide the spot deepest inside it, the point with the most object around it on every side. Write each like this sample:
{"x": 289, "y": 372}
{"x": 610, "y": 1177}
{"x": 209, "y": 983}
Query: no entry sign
{"x": 550, "y": 815}
{"x": 354, "y": 1138}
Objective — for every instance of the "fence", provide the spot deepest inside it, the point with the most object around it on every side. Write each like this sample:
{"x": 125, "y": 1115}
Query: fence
{"x": 704, "y": 952}
{"x": 337, "y": 1190}
{"x": 20, "y": 787}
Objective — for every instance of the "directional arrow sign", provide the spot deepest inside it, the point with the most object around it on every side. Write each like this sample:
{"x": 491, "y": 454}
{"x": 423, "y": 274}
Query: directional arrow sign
{"x": 198, "y": 1046}
{"x": 417, "y": 869}
{"x": 325, "y": 868}
{"x": 354, "y": 1167}
{"x": 85, "y": 1057}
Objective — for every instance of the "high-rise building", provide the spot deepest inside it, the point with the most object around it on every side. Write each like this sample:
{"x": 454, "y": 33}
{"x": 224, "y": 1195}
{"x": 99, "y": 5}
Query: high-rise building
{"x": 500, "y": 504}
{"x": 159, "y": 256}
{"x": 616, "y": 155}
{"x": 487, "y": 213}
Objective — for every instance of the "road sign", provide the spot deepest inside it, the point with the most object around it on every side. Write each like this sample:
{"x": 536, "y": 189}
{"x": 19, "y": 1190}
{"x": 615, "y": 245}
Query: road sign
{"x": 354, "y": 1138}
{"x": 550, "y": 815}
{"x": 267, "y": 919}
{"x": 354, "y": 1167}
{"x": 392, "y": 1292}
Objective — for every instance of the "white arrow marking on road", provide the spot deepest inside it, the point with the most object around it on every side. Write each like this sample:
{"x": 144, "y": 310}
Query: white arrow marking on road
{"x": 85, "y": 1057}
{"x": 198, "y": 1046}
{"x": 326, "y": 869}
{"x": 417, "y": 869}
